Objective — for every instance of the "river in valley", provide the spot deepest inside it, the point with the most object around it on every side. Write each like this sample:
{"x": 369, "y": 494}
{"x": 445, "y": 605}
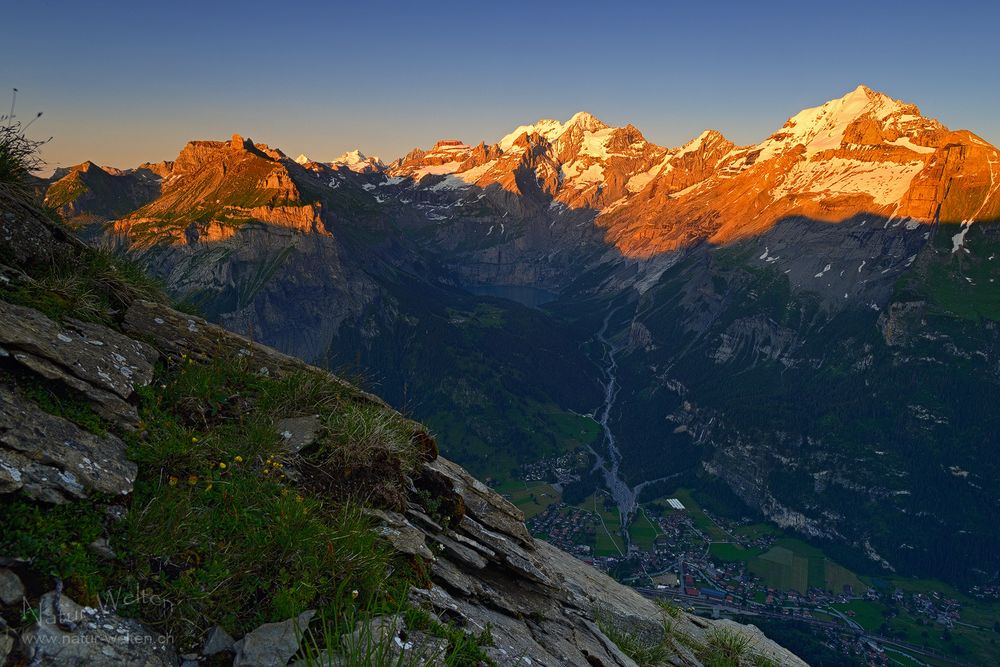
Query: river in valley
{"x": 610, "y": 460}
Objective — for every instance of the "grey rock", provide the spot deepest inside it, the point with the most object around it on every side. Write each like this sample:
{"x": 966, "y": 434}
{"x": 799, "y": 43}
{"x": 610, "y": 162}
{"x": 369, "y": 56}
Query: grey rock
{"x": 402, "y": 535}
{"x": 272, "y": 644}
{"x": 425, "y": 521}
{"x": 83, "y": 636}
{"x": 7, "y": 643}
{"x": 27, "y": 237}
{"x": 100, "y": 547}
{"x": 469, "y": 558}
{"x": 297, "y": 433}
{"x": 509, "y": 551}
{"x": 217, "y": 641}
{"x": 483, "y": 503}
{"x": 389, "y": 642}
{"x": 100, "y": 363}
{"x": 51, "y": 459}
{"x": 11, "y": 588}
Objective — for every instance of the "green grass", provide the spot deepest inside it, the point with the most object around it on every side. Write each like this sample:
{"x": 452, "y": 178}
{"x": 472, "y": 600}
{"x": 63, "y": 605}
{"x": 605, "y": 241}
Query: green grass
{"x": 755, "y": 530}
{"x": 783, "y": 569}
{"x": 792, "y": 564}
{"x": 212, "y": 496}
{"x": 531, "y": 498}
{"x": 606, "y": 542}
{"x": 730, "y": 552}
{"x": 645, "y": 648}
{"x": 54, "y": 539}
{"x": 959, "y": 283}
{"x": 867, "y": 614}
{"x": 642, "y": 531}
{"x": 94, "y": 285}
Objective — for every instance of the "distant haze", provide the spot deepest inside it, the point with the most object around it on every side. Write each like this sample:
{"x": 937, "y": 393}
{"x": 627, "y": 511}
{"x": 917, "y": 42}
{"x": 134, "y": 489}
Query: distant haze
{"x": 122, "y": 83}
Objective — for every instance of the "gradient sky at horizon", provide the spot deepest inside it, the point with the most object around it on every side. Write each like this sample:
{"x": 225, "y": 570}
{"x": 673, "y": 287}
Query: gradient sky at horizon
{"x": 122, "y": 83}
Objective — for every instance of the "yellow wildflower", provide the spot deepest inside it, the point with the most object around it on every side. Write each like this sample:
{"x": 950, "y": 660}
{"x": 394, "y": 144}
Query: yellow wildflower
{"x": 172, "y": 481}
{"x": 192, "y": 479}
{"x": 194, "y": 439}
{"x": 238, "y": 459}
{"x": 299, "y": 499}
{"x": 222, "y": 466}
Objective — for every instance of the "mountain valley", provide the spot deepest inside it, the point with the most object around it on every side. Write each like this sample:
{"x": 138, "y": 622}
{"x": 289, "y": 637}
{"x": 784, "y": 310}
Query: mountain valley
{"x": 802, "y": 333}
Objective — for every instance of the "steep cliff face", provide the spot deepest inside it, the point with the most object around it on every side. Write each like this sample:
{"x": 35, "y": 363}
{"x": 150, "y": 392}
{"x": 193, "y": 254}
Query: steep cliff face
{"x": 838, "y": 387}
{"x": 83, "y": 401}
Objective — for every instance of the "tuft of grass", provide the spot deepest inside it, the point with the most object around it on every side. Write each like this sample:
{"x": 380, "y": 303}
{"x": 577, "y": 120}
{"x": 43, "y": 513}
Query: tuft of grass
{"x": 364, "y": 455}
{"x": 361, "y": 637}
{"x": 645, "y": 648}
{"x": 669, "y": 608}
{"x": 725, "y": 647}
{"x": 93, "y": 286}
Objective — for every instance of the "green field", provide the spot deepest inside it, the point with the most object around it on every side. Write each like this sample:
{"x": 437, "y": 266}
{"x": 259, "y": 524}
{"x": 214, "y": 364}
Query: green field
{"x": 731, "y": 552}
{"x": 867, "y": 614}
{"x": 532, "y": 498}
{"x": 783, "y": 569}
{"x": 606, "y": 542}
{"x": 975, "y": 646}
{"x": 792, "y": 564}
{"x": 643, "y": 532}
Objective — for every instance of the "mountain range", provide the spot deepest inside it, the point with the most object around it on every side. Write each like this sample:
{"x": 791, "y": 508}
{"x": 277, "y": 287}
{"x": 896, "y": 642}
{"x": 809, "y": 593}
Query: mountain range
{"x": 807, "y": 326}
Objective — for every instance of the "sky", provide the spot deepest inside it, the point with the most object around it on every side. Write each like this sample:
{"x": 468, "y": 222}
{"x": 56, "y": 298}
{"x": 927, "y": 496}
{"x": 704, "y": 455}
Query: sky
{"x": 122, "y": 83}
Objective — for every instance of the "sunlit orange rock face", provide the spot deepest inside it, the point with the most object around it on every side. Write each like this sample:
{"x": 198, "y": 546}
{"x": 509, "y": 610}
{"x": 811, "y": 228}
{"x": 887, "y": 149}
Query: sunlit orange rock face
{"x": 864, "y": 153}
{"x": 213, "y": 187}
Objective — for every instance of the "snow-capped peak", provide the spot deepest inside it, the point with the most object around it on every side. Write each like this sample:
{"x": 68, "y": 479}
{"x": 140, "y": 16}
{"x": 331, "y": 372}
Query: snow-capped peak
{"x": 302, "y": 159}
{"x": 585, "y": 121}
{"x": 351, "y": 157}
{"x": 357, "y": 161}
{"x": 706, "y": 137}
{"x": 553, "y": 129}
{"x": 822, "y": 128}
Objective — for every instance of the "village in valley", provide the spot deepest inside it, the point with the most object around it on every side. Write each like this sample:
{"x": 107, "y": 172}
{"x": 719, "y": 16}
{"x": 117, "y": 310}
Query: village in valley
{"x": 683, "y": 553}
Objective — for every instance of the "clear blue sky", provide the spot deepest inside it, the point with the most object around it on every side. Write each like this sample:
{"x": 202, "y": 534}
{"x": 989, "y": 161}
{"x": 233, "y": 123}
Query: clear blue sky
{"x": 125, "y": 82}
